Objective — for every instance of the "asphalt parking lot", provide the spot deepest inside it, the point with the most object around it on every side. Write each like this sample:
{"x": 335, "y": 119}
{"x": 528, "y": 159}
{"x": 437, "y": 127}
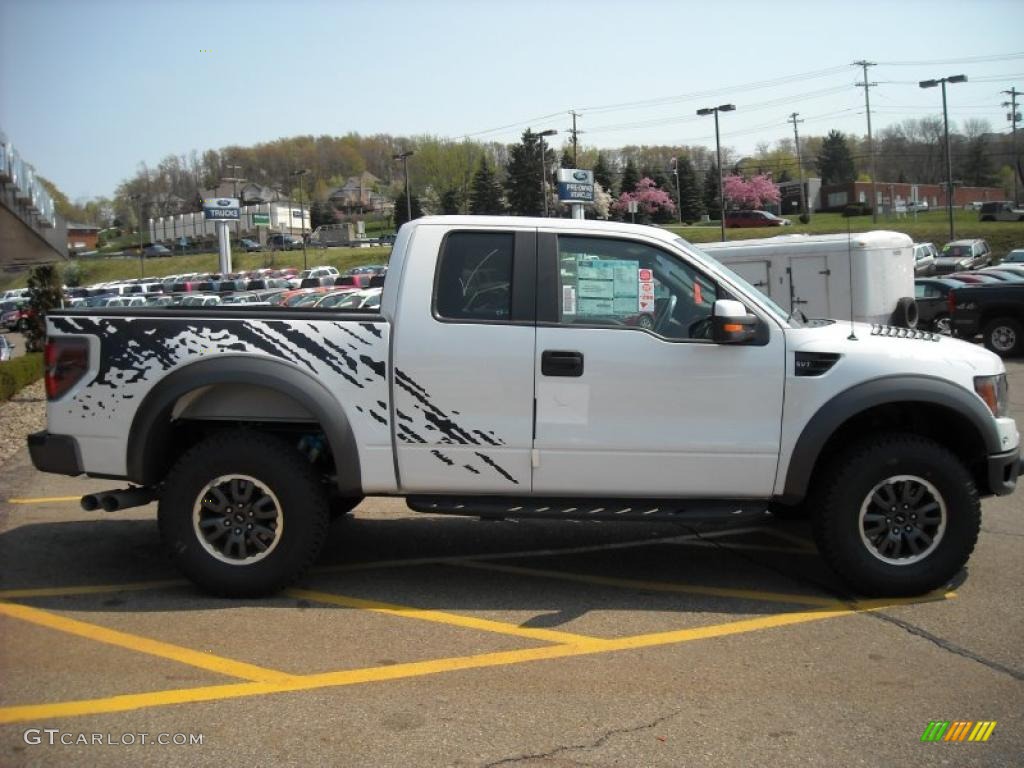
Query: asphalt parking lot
{"x": 423, "y": 640}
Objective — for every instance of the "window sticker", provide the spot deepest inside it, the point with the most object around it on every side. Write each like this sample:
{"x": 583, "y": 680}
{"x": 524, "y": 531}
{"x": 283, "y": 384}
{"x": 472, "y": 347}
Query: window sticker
{"x": 595, "y": 287}
{"x": 645, "y": 291}
{"x": 696, "y": 293}
{"x": 568, "y": 300}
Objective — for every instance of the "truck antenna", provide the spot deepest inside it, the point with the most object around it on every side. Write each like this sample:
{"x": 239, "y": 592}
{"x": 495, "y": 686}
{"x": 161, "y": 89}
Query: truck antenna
{"x": 849, "y": 266}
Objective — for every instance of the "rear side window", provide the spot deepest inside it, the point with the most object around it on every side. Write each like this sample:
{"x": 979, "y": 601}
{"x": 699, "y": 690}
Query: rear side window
{"x": 474, "y": 277}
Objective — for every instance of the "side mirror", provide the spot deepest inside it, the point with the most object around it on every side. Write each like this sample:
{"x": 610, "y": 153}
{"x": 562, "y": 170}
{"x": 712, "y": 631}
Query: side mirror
{"x": 731, "y": 323}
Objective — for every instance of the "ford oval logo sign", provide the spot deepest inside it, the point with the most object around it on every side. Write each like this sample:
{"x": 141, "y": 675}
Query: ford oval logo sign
{"x": 223, "y": 202}
{"x": 580, "y": 175}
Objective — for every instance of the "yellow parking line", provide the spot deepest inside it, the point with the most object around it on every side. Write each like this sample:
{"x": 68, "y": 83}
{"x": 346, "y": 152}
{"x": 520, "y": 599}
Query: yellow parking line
{"x": 95, "y": 589}
{"x": 124, "y": 703}
{"x": 43, "y": 499}
{"x": 440, "y": 617}
{"x": 658, "y": 586}
{"x": 141, "y": 644}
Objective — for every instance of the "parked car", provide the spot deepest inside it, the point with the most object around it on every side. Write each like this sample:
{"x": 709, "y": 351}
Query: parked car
{"x": 963, "y": 254}
{"x": 754, "y": 219}
{"x": 1016, "y": 256}
{"x": 156, "y": 250}
{"x": 17, "y": 319}
{"x": 279, "y": 242}
{"x": 994, "y": 311}
{"x": 974, "y": 277}
{"x": 440, "y": 401}
{"x": 6, "y": 349}
{"x": 250, "y": 245}
{"x": 1000, "y": 210}
{"x": 924, "y": 259}
{"x": 932, "y": 296}
{"x": 916, "y": 206}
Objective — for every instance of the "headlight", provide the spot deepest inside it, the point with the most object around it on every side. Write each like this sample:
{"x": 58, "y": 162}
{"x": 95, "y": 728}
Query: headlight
{"x": 994, "y": 390}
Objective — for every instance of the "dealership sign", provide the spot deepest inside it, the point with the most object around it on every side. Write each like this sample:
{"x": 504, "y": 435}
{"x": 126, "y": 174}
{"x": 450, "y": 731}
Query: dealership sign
{"x": 221, "y": 208}
{"x": 261, "y": 219}
{"x": 575, "y": 186}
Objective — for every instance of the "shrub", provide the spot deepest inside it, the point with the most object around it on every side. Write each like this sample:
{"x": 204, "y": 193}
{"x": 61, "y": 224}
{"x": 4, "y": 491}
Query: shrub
{"x": 18, "y": 373}
{"x": 805, "y": 218}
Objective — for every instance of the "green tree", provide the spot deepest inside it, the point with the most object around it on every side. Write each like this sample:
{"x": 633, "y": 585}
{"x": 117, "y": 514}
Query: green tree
{"x": 485, "y": 199}
{"x": 657, "y": 175}
{"x": 401, "y": 209}
{"x": 451, "y": 202}
{"x": 523, "y": 186}
{"x": 566, "y": 159}
{"x": 712, "y": 202}
{"x": 602, "y": 173}
{"x": 691, "y": 203}
{"x": 44, "y": 294}
{"x": 835, "y": 163}
{"x": 976, "y": 168}
{"x": 630, "y": 177}
{"x": 321, "y": 213}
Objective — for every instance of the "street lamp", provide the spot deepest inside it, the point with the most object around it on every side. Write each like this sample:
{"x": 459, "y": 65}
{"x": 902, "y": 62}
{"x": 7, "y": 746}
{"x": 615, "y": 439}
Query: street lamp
{"x": 679, "y": 190}
{"x": 718, "y": 149}
{"x": 945, "y": 128}
{"x": 235, "y": 179}
{"x": 142, "y": 255}
{"x": 543, "y": 168}
{"x": 404, "y": 157}
{"x": 302, "y": 214}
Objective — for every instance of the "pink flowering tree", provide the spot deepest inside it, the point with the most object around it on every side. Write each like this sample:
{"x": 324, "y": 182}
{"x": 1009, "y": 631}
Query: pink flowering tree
{"x": 755, "y": 192}
{"x": 652, "y": 203}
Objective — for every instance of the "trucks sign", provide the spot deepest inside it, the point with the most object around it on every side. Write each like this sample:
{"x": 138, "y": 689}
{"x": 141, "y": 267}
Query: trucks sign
{"x": 221, "y": 208}
{"x": 575, "y": 186}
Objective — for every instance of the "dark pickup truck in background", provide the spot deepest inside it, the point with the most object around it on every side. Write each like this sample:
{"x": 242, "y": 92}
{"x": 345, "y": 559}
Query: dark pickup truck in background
{"x": 996, "y": 312}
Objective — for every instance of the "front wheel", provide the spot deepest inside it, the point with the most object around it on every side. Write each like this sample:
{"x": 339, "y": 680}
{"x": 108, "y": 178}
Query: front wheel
{"x": 1004, "y": 336}
{"x": 243, "y": 514}
{"x": 896, "y": 515}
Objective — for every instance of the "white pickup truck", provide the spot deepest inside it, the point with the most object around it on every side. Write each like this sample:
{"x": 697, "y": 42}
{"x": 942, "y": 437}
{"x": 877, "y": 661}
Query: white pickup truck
{"x": 531, "y": 368}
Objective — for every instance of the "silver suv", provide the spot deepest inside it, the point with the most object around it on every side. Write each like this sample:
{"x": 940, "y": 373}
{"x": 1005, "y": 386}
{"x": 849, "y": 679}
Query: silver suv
{"x": 963, "y": 254}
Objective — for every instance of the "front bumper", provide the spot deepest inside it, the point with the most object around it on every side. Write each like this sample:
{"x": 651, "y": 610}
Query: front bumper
{"x": 1003, "y": 470}
{"x": 58, "y": 454}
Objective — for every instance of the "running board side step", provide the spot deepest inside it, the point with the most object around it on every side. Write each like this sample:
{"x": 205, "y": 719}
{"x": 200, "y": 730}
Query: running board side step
{"x": 622, "y": 510}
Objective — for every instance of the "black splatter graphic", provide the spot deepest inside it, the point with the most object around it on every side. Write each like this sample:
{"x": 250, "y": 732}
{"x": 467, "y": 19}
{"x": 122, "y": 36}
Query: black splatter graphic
{"x": 372, "y": 329}
{"x": 490, "y": 462}
{"x": 378, "y": 417}
{"x": 487, "y": 439}
{"x": 379, "y": 368}
{"x": 443, "y": 458}
{"x": 471, "y": 468}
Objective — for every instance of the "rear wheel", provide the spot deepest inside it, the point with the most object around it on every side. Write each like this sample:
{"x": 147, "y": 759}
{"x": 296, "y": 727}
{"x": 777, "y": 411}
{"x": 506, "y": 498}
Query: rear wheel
{"x": 896, "y": 515}
{"x": 243, "y": 514}
{"x": 1004, "y": 336}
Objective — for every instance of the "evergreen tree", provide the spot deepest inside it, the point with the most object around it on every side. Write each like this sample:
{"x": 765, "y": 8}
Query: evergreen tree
{"x": 657, "y": 175}
{"x": 451, "y": 201}
{"x": 485, "y": 198}
{"x": 602, "y": 173}
{"x": 976, "y": 169}
{"x": 835, "y": 163}
{"x": 630, "y": 177}
{"x": 524, "y": 175}
{"x": 321, "y": 213}
{"x": 710, "y": 193}
{"x": 691, "y": 203}
{"x": 44, "y": 294}
{"x": 401, "y": 210}
{"x": 566, "y": 161}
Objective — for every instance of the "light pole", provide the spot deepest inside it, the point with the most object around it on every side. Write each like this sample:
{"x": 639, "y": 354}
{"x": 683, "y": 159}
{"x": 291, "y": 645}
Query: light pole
{"x": 543, "y": 168}
{"x": 718, "y": 149}
{"x": 235, "y": 179}
{"x": 945, "y": 130}
{"x": 302, "y": 215}
{"x": 679, "y": 190}
{"x": 404, "y": 157}
{"x": 142, "y": 255}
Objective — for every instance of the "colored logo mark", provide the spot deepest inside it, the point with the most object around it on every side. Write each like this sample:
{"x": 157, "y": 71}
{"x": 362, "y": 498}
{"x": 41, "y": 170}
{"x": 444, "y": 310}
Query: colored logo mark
{"x": 958, "y": 730}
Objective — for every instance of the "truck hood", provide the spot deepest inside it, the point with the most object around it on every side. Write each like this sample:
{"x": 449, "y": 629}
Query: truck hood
{"x": 885, "y": 351}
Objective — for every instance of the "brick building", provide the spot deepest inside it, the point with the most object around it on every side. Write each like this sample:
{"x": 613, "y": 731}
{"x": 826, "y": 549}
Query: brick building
{"x": 893, "y": 195}
{"x": 82, "y": 237}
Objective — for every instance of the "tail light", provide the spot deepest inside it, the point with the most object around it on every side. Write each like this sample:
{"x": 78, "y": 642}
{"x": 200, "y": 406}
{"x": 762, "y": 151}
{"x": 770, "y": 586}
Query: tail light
{"x": 951, "y": 302}
{"x": 67, "y": 361}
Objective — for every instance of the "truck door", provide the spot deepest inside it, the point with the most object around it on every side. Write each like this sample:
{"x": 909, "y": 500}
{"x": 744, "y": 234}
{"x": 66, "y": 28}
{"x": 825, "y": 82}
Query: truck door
{"x": 463, "y": 380}
{"x": 809, "y": 284}
{"x": 633, "y": 399}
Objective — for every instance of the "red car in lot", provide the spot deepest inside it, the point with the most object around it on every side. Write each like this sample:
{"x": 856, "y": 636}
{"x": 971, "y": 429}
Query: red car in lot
{"x": 17, "y": 319}
{"x": 754, "y": 219}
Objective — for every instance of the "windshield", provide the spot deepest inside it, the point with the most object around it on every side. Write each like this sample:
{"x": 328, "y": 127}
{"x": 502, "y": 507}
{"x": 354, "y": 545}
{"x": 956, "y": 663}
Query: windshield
{"x": 710, "y": 261}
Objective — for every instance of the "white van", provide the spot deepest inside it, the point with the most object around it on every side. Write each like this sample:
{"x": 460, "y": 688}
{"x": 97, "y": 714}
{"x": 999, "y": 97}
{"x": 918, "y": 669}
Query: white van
{"x": 815, "y": 273}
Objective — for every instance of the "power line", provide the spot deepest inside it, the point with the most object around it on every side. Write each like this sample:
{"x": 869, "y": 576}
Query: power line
{"x": 966, "y": 60}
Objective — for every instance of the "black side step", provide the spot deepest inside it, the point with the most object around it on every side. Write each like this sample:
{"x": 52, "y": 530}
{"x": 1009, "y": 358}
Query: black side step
{"x": 623, "y": 510}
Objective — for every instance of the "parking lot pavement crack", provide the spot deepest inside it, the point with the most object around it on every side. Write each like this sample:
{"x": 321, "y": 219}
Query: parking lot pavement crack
{"x": 946, "y": 645}
{"x": 600, "y": 741}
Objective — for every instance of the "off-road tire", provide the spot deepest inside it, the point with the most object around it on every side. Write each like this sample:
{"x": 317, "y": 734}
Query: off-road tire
{"x": 281, "y": 470}
{"x": 847, "y": 482}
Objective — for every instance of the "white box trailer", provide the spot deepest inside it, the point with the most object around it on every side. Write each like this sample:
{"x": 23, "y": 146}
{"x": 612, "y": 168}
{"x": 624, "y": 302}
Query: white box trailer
{"x": 818, "y": 273}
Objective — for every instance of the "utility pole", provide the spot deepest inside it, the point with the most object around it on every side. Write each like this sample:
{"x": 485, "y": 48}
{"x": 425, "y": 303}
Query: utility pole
{"x": 945, "y": 130}
{"x": 799, "y": 162}
{"x": 1014, "y": 118}
{"x": 871, "y": 144}
{"x": 575, "y": 141}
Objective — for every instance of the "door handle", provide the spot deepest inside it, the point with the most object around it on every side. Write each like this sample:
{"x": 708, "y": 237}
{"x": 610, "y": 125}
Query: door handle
{"x": 559, "y": 363}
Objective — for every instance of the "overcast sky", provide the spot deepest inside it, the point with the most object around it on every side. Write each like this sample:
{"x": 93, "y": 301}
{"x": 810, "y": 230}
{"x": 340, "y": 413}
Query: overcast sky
{"x": 91, "y": 88}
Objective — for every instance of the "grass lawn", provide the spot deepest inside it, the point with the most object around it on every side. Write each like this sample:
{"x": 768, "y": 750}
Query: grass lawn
{"x": 932, "y": 226}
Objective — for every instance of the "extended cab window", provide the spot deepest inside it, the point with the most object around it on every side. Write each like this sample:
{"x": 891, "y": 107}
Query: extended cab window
{"x": 474, "y": 280}
{"x": 618, "y": 283}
